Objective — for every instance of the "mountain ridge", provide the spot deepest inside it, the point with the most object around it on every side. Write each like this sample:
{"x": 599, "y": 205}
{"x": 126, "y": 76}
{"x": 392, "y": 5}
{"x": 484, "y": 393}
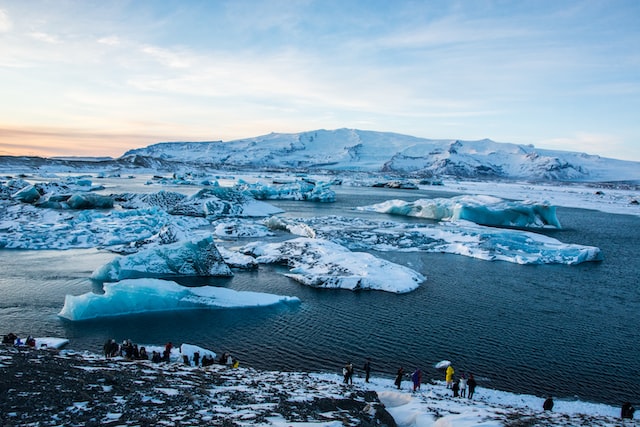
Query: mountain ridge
{"x": 353, "y": 150}
{"x": 360, "y": 151}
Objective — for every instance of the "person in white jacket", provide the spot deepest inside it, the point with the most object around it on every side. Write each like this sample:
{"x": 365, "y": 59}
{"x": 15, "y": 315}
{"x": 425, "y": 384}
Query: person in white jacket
{"x": 463, "y": 386}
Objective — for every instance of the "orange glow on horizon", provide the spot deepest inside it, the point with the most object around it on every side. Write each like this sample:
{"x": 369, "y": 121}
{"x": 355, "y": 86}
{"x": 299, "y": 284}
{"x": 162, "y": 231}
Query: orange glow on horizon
{"x": 64, "y": 142}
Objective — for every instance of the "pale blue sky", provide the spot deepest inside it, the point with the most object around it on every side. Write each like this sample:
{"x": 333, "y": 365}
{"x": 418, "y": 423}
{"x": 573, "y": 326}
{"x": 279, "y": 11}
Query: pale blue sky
{"x": 100, "y": 77}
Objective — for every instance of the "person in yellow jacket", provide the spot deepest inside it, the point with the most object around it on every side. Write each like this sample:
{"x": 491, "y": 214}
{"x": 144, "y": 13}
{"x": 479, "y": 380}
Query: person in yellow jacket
{"x": 449, "y": 376}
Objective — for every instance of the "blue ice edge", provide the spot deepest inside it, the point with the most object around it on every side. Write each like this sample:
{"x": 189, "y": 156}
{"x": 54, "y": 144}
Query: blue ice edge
{"x": 137, "y": 296}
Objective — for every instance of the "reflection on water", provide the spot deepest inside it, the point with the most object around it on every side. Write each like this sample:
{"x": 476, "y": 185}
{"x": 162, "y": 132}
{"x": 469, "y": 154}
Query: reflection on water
{"x": 561, "y": 330}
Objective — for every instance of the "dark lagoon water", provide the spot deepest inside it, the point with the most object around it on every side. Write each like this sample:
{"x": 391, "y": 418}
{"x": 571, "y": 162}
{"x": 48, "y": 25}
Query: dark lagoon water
{"x": 569, "y": 331}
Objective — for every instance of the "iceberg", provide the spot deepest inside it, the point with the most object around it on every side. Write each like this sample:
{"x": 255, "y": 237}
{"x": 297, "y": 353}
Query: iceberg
{"x": 236, "y": 228}
{"x": 27, "y": 227}
{"x": 188, "y": 258}
{"x": 298, "y": 190}
{"x": 483, "y": 210}
{"x": 135, "y": 296}
{"x": 323, "y": 264}
{"x": 459, "y": 237}
{"x": 210, "y": 202}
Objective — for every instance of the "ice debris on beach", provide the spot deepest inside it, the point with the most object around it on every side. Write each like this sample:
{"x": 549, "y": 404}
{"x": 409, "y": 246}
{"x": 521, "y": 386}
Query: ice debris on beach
{"x": 284, "y": 399}
{"x": 324, "y": 264}
{"x": 480, "y": 209}
{"x": 135, "y": 296}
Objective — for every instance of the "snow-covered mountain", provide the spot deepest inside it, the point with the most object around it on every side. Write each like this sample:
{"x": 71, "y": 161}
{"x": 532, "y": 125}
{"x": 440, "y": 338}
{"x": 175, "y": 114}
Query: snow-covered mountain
{"x": 391, "y": 153}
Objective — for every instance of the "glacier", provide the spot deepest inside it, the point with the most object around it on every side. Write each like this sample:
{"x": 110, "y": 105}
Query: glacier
{"x": 458, "y": 237}
{"x": 354, "y": 150}
{"x": 185, "y": 258}
{"x": 480, "y": 209}
{"x": 323, "y": 264}
{"x": 135, "y": 296}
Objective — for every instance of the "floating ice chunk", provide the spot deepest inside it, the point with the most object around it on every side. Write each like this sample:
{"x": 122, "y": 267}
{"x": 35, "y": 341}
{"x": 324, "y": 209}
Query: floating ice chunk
{"x": 135, "y": 296}
{"x": 28, "y": 194}
{"x": 296, "y": 228}
{"x": 323, "y": 264}
{"x": 90, "y": 201}
{"x": 211, "y": 202}
{"x": 187, "y": 258}
{"x": 237, "y": 260}
{"x": 26, "y": 227}
{"x": 485, "y": 210}
{"x": 297, "y": 190}
{"x": 460, "y": 237}
{"x": 240, "y": 228}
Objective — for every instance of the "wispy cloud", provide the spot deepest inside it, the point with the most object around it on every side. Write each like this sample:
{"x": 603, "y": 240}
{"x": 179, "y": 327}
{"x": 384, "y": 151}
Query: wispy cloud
{"x": 5, "y": 22}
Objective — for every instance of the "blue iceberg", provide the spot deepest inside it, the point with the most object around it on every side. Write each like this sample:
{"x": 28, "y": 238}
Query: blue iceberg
{"x": 137, "y": 296}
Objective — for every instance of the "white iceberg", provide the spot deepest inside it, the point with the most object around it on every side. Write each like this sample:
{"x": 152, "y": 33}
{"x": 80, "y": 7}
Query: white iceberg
{"x": 187, "y": 258}
{"x": 135, "y": 296}
{"x": 480, "y": 209}
{"x": 323, "y": 264}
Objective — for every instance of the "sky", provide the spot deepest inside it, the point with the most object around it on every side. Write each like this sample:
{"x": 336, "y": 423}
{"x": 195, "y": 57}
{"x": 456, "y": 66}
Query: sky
{"x": 97, "y": 78}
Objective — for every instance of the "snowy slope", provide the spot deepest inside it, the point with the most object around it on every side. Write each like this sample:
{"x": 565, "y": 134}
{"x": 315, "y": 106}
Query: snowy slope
{"x": 368, "y": 151}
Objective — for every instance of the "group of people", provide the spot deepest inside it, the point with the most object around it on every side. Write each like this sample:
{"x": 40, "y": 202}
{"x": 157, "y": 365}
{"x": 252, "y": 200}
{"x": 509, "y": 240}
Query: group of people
{"x": 348, "y": 370}
{"x": 13, "y": 339}
{"x": 131, "y": 351}
{"x": 459, "y": 386}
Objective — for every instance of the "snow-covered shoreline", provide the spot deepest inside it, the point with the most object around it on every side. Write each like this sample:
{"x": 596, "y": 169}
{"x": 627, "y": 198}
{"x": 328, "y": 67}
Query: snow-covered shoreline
{"x": 249, "y": 396}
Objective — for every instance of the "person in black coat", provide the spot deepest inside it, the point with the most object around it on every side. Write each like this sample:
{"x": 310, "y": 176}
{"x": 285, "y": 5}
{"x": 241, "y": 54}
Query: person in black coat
{"x": 627, "y": 411}
{"x": 367, "y": 370}
{"x": 548, "y": 404}
{"x": 399, "y": 377}
{"x": 471, "y": 385}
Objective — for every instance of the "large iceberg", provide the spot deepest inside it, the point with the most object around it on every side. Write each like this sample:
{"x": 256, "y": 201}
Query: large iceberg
{"x": 187, "y": 258}
{"x": 297, "y": 190}
{"x": 459, "y": 237}
{"x": 323, "y": 264}
{"x": 27, "y": 227}
{"x": 135, "y": 296}
{"x": 210, "y": 202}
{"x": 484, "y": 210}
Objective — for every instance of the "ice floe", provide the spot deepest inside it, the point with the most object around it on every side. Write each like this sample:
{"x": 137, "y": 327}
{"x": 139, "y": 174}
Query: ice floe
{"x": 136, "y": 296}
{"x": 481, "y": 209}
{"x": 324, "y": 264}
{"x": 459, "y": 237}
{"x": 185, "y": 258}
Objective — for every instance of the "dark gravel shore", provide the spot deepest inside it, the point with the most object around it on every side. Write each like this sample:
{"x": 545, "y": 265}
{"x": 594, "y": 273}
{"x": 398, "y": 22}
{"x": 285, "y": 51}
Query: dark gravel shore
{"x": 51, "y": 388}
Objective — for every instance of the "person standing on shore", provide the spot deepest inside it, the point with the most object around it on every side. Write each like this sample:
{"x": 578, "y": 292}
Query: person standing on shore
{"x": 449, "y": 376}
{"x": 471, "y": 383}
{"x": 548, "y": 404}
{"x": 416, "y": 377}
{"x": 399, "y": 377}
{"x": 627, "y": 411}
{"x": 463, "y": 386}
{"x": 348, "y": 373}
{"x": 367, "y": 370}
